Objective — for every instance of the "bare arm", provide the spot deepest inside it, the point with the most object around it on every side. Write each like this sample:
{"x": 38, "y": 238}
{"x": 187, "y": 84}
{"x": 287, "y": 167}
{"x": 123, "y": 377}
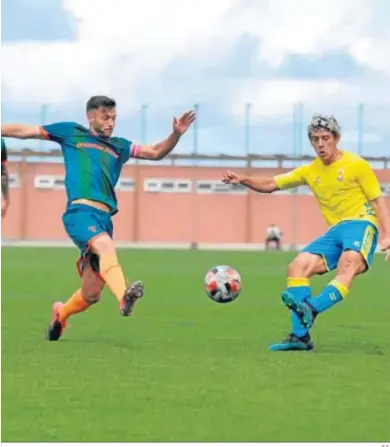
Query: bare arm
{"x": 21, "y": 131}
{"x": 260, "y": 184}
{"x": 161, "y": 149}
{"x": 371, "y": 187}
{"x": 268, "y": 185}
{"x": 383, "y": 215}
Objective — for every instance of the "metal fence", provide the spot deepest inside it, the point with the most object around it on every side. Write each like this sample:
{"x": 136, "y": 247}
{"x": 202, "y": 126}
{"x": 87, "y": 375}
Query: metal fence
{"x": 249, "y": 129}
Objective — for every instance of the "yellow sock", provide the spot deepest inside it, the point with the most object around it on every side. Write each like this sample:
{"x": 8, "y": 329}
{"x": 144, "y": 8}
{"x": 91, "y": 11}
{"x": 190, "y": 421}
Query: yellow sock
{"x": 340, "y": 287}
{"x": 298, "y": 282}
{"x": 75, "y": 304}
{"x": 112, "y": 273}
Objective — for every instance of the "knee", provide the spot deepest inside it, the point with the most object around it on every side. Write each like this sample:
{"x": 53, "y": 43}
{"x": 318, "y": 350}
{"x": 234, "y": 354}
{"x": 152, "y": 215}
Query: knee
{"x": 351, "y": 263}
{"x": 305, "y": 265}
{"x": 298, "y": 267}
{"x": 103, "y": 244}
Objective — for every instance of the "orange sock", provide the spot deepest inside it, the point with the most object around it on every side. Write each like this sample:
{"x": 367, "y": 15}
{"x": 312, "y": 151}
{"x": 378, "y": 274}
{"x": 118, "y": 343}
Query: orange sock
{"x": 75, "y": 304}
{"x": 112, "y": 273}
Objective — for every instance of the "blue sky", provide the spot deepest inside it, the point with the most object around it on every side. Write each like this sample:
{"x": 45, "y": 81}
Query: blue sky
{"x": 220, "y": 54}
{"x": 43, "y": 20}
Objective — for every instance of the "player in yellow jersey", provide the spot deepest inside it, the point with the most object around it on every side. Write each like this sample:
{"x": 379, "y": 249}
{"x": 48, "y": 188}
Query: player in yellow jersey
{"x": 350, "y": 199}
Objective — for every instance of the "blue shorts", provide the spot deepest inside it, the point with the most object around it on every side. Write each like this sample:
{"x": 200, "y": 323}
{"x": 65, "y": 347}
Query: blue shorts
{"x": 357, "y": 235}
{"x": 83, "y": 223}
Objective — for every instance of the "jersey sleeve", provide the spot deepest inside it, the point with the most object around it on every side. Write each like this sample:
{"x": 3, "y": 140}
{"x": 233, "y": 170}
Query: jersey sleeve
{"x": 131, "y": 150}
{"x": 57, "y": 131}
{"x": 368, "y": 181}
{"x": 291, "y": 179}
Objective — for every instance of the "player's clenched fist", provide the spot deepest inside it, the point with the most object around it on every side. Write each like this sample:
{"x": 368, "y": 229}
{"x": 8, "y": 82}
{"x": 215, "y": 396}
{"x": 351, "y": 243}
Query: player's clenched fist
{"x": 231, "y": 177}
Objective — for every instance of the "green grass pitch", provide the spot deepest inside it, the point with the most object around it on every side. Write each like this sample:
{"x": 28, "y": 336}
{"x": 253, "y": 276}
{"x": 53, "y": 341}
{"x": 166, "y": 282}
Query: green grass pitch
{"x": 184, "y": 368}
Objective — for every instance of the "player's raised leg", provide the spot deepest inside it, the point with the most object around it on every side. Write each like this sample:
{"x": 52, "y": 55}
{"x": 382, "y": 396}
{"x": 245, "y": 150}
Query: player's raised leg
{"x": 112, "y": 273}
{"x": 89, "y": 293}
{"x": 359, "y": 241}
{"x": 351, "y": 264}
{"x": 359, "y": 244}
{"x": 91, "y": 229}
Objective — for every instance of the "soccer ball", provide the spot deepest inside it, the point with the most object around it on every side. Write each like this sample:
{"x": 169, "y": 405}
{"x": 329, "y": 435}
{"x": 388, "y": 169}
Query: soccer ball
{"x": 222, "y": 284}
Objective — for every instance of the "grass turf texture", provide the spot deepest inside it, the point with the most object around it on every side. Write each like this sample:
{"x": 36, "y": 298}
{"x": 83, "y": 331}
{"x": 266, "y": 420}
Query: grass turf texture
{"x": 184, "y": 368}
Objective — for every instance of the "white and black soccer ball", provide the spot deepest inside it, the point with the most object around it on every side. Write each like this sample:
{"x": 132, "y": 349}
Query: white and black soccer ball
{"x": 222, "y": 284}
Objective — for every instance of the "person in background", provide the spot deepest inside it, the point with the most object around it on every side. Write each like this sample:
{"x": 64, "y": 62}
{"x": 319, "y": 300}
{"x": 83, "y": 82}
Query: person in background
{"x": 274, "y": 236}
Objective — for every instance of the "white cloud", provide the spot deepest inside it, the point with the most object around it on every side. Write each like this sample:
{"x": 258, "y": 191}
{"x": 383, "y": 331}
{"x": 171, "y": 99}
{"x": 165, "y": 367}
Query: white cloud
{"x": 372, "y": 52}
{"x": 123, "y": 45}
{"x": 306, "y": 27}
{"x": 275, "y": 98}
{"x": 119, "y": 46}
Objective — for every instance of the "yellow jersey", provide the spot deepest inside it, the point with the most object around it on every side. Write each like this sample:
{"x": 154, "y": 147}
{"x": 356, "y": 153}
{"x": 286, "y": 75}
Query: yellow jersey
{"x": 344, "y": 189}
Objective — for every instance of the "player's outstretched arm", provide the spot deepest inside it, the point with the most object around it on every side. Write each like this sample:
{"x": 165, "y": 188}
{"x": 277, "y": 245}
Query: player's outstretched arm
{"x": 291, "y": 179}
{"x": 372, "y": 190}
{"x": 160, "y": 150}
{"x": 383, "y": 214}
{"x": 22, "y": 131}
{"x": 259, "y": 184}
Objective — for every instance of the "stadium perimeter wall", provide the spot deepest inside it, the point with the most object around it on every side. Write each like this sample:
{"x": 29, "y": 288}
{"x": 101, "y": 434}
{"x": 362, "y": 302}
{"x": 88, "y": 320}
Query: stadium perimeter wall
{"x": 166, "y": 206}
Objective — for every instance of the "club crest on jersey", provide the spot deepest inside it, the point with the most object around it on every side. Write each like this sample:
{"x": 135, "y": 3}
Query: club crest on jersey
{"x": 340, "y": 175}
{"x": 317, "y": 180}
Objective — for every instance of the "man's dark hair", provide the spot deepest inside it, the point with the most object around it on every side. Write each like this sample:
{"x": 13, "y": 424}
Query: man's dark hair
{"x": 96, "y": 102}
